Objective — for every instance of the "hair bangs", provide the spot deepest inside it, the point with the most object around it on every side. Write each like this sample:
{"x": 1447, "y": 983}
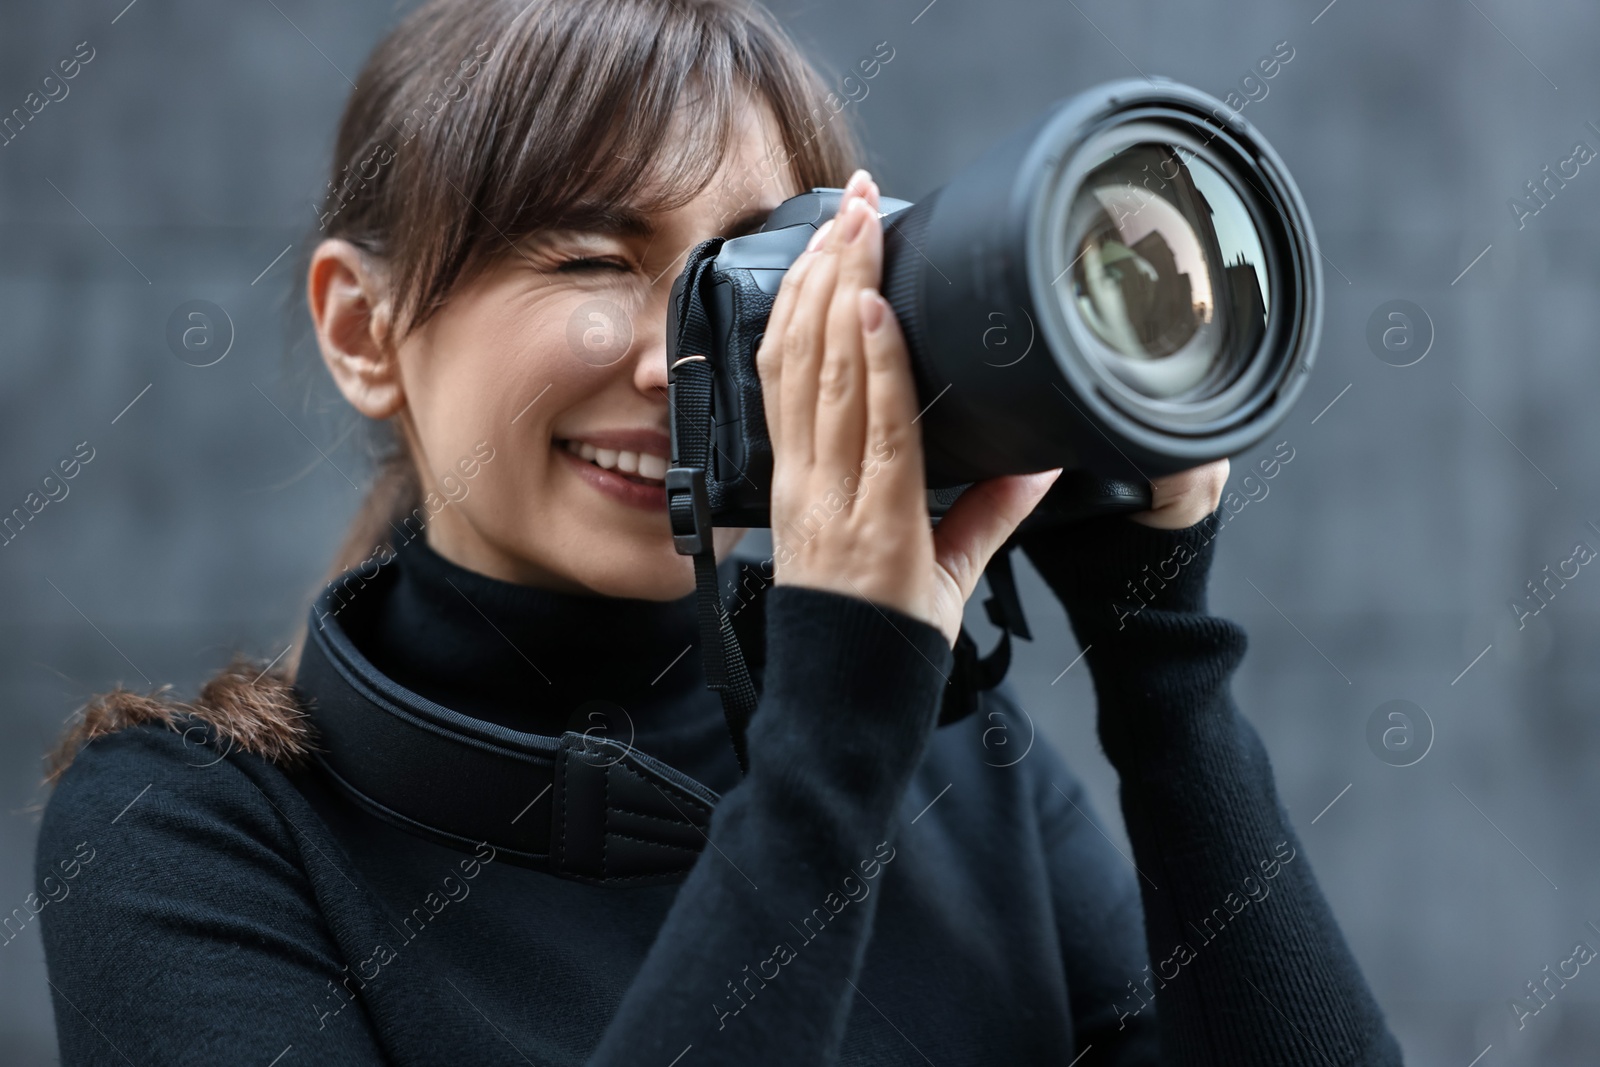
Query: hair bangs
{"x": 641, "y": 119}
{"x": 508, "y": 118}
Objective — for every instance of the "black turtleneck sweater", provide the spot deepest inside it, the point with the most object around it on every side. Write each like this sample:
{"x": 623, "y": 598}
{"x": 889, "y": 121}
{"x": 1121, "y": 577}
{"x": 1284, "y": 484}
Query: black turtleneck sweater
{"x": 874, "y": 891}
{"x": 543, "y": 662}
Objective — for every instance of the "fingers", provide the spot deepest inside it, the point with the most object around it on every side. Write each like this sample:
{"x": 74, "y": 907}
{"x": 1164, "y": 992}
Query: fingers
{"x": 774, "y": 339}
{"x": 1183, "y": 499}
{"x": 841, "y": 425}
{"x": 802, "y": 344}
{"x": 981, "y": 519}
{"x": 892, "y": 440}
{"x": 769, "y": 357}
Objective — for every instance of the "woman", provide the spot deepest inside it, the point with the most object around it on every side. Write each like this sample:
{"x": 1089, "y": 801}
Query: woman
{"x": 496, "y": 817}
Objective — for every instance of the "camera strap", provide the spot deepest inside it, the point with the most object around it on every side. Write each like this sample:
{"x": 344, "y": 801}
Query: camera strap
{"x": 970, "y": 672}
{"x": 689, "y": 388}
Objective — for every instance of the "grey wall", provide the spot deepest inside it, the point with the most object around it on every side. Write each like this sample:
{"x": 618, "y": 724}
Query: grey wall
{"x": 1379, "y": 566}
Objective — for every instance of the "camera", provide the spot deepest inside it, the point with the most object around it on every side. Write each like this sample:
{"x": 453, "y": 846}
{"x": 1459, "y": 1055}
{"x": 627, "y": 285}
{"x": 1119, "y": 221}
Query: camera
{"x": 1126, "y": 286}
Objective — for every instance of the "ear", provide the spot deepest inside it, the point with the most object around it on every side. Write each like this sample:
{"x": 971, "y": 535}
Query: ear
{"x": 351, "y": 310}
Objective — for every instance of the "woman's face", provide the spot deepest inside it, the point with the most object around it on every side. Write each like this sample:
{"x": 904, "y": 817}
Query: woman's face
{"x": 553, "y": 364}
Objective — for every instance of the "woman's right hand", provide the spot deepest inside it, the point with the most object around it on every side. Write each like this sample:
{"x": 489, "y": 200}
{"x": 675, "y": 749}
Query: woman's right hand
{"x": 849, "y": 506}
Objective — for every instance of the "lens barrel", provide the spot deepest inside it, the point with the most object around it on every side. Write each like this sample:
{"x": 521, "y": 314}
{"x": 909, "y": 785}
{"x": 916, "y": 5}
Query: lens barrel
{"x": 1127, "y": 284}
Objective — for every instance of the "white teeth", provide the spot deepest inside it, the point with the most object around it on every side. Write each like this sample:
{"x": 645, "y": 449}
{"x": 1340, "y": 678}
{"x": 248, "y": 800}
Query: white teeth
{"x": 643, "y": 464}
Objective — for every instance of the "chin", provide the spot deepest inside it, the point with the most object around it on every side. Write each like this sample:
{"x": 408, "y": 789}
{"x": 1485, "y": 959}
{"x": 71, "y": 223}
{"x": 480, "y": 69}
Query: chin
{"x": 640, "y": 569}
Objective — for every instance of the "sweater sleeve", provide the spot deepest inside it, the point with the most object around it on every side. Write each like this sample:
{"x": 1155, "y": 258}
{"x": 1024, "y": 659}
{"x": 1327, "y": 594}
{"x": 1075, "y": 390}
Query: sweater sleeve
{"x": 179, "y": 923}
{"x": 851, "y": 691}
{"x": 1247, "y": 964}
{"x": 1100, "y": 926}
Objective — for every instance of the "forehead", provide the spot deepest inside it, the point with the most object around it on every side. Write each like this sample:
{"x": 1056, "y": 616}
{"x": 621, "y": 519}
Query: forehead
{"x": 755, "y": 171}
{"x": 753, "y": 176}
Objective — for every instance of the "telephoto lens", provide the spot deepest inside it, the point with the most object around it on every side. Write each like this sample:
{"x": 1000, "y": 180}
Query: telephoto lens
{"x": 1127, "y": 286}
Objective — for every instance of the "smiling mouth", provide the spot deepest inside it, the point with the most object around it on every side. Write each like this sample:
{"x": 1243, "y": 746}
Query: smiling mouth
{"x": 641, "y": 468}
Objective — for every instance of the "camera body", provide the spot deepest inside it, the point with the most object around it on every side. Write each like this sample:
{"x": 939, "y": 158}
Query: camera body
{"x": 739, "y": 286}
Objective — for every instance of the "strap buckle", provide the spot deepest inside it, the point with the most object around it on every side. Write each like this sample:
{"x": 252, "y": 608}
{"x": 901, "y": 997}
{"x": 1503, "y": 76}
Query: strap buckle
{"x": 691, "y": 525}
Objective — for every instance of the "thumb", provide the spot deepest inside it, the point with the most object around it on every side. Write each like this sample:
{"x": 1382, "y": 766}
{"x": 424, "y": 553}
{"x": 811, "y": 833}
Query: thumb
{"x": 981, "y": 519}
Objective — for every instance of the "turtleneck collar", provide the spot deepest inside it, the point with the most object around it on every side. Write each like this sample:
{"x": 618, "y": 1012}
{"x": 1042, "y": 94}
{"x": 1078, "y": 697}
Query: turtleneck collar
{"x": 530, "y": 659}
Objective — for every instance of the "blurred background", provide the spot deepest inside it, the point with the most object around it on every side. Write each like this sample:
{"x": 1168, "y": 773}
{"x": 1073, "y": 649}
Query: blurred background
{"x": 183, "y": 165}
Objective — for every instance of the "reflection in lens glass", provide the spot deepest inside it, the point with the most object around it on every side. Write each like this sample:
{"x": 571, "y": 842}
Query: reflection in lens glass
{"x": 1167, "y": 271}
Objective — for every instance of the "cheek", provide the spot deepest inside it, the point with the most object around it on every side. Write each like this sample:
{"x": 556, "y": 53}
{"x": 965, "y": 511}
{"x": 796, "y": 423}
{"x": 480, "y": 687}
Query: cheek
{"x": 495, "y": 372}
{"x": 599, "y": 330}
{"x": 499, "y": 371}
{"x": 500, "y": 368}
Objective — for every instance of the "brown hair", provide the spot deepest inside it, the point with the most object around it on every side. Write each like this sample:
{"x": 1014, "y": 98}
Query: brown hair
{"x": 477, "y": 122}
{"x": 243, "y": 707}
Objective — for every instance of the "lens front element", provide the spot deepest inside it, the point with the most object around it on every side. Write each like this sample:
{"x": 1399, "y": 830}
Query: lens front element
{"x": 1167, "y": 271}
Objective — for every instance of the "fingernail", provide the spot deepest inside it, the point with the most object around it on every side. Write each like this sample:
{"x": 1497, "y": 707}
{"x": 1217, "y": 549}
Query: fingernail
{"x": 816, "y": 238}
{"x": 858, "y": 180}
{"x": 855, "y": 224}
{"x": 871, "y": 309}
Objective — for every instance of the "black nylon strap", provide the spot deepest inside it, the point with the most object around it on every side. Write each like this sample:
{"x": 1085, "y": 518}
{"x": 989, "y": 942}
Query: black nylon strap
{"x": 689, "y": 392}
{"x": 576, "y": 806}
{"x": 972, "y": 673}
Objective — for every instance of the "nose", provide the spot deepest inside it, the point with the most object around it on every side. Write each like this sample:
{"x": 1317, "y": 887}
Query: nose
{"x": 650, "y": 340}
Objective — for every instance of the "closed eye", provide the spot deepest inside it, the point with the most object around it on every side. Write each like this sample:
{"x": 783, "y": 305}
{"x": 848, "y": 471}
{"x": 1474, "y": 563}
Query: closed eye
{"x": 589, "y": 263}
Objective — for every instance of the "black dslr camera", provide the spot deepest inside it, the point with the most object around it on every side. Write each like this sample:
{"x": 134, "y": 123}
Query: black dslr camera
{"x": 1125, "y": 287}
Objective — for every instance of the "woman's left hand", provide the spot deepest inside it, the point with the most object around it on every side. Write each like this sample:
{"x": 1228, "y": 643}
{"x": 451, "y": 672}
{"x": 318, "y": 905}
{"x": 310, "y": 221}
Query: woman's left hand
{"x": 1183, "y": 499}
